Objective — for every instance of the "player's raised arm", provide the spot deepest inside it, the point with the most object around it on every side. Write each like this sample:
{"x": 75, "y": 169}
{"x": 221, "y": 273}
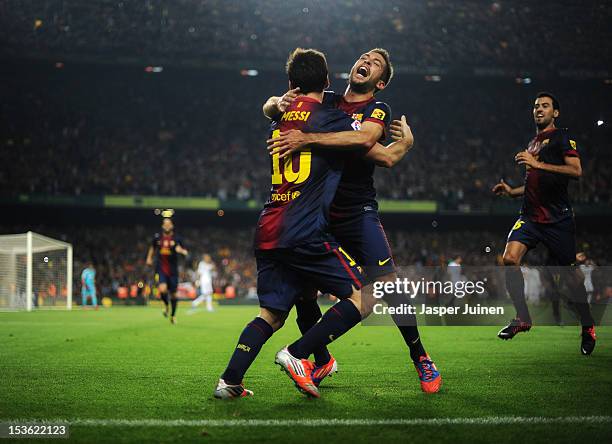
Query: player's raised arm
{"x": 503, "y": 189}
{"x": 277, "y": 105}
{"x": 390, "y": 155}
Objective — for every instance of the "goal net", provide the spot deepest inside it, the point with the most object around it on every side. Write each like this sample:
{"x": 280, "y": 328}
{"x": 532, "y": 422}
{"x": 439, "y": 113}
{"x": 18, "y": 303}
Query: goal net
{"x": 35, "y": 272}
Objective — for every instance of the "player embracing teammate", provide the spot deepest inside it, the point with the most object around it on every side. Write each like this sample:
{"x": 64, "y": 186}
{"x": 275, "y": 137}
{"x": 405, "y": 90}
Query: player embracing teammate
{"x": 296, "y": 255}
{"x": 295, "y": 252}
{"x": 354, "y": 219}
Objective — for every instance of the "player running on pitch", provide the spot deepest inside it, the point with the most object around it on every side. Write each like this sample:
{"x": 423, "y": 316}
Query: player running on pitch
{"x": 551, "y": 160}
{"x": 293, "y": 249}
{"x": 354, "y": 219}
{"x": 205, "y": 271}
{"x": 165, "y": 247}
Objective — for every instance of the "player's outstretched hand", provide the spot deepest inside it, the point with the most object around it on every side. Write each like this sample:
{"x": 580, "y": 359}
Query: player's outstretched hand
{"x": 400, "y": 130}
{"x": 286, "y": 143}
{"x": 287, "y": 99}
{"x": 502, "y": 188}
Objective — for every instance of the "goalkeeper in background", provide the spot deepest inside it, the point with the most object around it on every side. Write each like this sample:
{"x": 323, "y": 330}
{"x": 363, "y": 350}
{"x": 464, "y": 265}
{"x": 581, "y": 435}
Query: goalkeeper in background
{"x": 88, "y": 285}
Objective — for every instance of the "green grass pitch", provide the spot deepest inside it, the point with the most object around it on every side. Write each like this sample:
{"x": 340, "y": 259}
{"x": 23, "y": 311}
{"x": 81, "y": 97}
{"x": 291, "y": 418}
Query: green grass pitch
{"x": 131, "y": 364}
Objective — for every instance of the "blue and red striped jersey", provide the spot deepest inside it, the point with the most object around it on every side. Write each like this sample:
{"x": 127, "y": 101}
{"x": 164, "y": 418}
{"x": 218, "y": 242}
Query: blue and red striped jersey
{"x": 546, "y": 198}
{"x": 356, "y": 188}
{"x": 304, "y": 183}
{"x": 166, "y": 260}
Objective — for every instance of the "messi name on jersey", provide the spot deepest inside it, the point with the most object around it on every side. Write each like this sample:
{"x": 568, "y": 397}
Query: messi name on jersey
{"x": 303, "y": 183}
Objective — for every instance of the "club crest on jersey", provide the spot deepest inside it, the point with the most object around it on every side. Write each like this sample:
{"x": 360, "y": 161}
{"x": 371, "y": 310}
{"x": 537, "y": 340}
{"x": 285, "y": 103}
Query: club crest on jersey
{"x": 357, "y": 116}
{"x": 378, "y": 114}
{"x": 356, "y": 125}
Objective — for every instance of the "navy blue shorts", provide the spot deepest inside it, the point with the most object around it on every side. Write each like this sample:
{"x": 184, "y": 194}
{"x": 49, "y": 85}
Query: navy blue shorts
{"x": 559, "y": 238}
{"x": 363, "y": 237}
{"x": 285, "y": 274}
{"x": 170, "y": 281}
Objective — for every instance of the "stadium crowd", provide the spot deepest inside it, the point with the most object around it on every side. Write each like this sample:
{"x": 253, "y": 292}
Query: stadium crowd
{"x": 121, "y": 131}
{"x": 93, "y": 122}
{"x": 498, "y": 34}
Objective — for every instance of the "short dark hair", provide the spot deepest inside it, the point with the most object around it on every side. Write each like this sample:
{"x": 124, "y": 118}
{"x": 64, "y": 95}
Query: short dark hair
{"x": 307, "y": 69}
{"x": 388, "y": 74}
{"x": 555, "y": 102}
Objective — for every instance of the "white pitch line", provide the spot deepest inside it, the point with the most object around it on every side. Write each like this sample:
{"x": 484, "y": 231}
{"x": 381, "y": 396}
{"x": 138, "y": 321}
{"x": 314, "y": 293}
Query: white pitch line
{"x": 322, "y": 422}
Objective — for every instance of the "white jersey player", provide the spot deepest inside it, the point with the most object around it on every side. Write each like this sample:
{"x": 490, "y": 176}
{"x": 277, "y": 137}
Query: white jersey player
{"x": 586, "y": 266}
{"x": 205, "y": 271}
{"x": 533, "y": 284}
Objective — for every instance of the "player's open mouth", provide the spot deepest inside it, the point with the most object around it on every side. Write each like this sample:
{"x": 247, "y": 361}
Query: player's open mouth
{"x": 362, "y": 72}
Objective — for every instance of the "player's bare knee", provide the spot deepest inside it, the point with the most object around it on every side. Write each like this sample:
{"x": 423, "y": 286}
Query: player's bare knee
{"x": 367, "y": 306}
{"x": 362, "y": 302}
{"x": 511, "y": 259}
{"x": 275, "y": 318}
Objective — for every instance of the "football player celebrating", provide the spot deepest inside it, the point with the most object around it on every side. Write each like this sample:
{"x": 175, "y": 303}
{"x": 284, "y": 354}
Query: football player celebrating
{"x": 354, "y": 219}
{"x": 295, "y": 252}
{"x": 551, "y": 160}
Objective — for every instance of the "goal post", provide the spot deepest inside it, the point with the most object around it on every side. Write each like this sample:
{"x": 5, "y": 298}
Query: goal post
{"x": 35, "y": 272}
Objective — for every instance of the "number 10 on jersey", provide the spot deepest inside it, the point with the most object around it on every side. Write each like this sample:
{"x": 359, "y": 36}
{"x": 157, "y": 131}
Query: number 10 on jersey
{"x": 304, "y": 159}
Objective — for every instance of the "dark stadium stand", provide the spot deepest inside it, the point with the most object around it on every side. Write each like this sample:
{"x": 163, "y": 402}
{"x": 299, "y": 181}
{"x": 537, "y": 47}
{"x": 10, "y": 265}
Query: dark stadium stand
{"x": 109, "y": 130}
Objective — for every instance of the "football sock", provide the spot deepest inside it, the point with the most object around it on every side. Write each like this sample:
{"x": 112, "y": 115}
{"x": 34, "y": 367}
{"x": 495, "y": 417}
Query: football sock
{"x": 335, "y": 322}
{"x": 413, "y": 341}
{"x": 308, "y": 314}
{"x": 164, "y": 298}
{"x": 515, "y": 284}
{"x": 578, "y": 295}
{"x": 174, "y": 303}
{"x": 406, "y": 324}
{"x": 253, "y": 337}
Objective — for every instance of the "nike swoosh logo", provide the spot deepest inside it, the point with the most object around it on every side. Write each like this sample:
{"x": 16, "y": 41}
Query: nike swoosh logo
{"x": 381, "y": 263}
{"x": 331, "y": 337}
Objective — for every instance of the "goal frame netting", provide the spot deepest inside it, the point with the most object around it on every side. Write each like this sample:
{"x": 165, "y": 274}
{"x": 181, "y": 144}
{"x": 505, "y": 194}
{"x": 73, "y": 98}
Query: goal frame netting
{"x": 29, "y": 244}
